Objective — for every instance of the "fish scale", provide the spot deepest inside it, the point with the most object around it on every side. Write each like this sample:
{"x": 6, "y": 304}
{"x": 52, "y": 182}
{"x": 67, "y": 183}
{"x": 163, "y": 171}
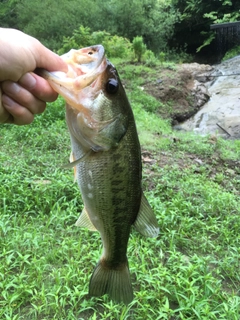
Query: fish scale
{"x": 106, "y": 155}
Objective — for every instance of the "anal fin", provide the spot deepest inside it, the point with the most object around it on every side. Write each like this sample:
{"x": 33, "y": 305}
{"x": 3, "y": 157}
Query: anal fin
{"x": 146, "y": 222}
{"x": 84, "y": 221}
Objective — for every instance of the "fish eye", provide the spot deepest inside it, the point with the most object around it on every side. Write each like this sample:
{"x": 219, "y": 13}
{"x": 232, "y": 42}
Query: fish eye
{"x": 112, "y": 86}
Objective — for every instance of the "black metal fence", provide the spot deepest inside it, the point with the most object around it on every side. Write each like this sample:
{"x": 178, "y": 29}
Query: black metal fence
{"x": 227, "y": 36}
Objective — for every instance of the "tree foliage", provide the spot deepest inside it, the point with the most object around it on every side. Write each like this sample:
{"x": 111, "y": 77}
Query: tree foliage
{"x": 196, "y": 16}
{"x": 161, "y": 23}
{"x": 115, "y": 46}
{"x": 50, "y": 21}
{"x": 153, "y": 20}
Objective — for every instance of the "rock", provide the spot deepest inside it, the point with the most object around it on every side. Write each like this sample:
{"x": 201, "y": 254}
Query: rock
{"x": 179, "y": 91}
{"x": 220, "y": 115}
{"x": 200, "y": 93}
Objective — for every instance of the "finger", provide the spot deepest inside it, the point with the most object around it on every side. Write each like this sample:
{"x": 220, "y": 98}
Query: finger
{"x": 4, "y": 115}
{"x": 38, "y": 86}
{"x": 23, "y": 97}
{"x": 19, "y": 114}
{"x": 52, "y": 63}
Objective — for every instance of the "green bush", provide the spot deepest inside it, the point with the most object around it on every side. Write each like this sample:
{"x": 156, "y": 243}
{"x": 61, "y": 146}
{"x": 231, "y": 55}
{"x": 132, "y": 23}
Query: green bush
{"x": 81, "y": 38}
{"x": 139, "y": 48}
{"x": 115, "y": 46}
{"x": 150, "y": 59}
{"x": 232, "y": 53}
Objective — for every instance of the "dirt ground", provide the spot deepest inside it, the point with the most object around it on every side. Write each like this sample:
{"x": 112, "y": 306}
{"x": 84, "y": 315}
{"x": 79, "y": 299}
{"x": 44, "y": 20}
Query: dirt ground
{"x": 183, "y": 89}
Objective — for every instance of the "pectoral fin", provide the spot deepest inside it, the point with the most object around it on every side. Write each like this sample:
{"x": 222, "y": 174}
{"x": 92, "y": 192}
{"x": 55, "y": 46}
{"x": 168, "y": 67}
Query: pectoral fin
{"x": 84, "y": 221}
{"x": 74, "y": 162}
{"x": 146, "y": 222}
{"x": 72, "y": 159}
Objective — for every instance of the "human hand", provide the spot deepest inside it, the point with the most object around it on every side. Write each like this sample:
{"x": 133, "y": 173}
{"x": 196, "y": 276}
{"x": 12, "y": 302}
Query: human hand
{"x": 24, "y": 93}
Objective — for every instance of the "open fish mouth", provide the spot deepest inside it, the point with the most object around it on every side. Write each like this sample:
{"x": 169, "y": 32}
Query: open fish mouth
{"x": 86, "y": 59}
{"x": 82, "y": 80}
{"x": 84, "y": 65}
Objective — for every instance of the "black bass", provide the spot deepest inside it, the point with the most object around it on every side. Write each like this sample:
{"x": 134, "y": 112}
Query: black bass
{"x": 106, "y": 157}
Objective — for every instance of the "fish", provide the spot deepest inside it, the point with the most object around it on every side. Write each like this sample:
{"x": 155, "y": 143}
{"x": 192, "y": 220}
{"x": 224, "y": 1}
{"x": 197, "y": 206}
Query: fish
{"x": 106, "y": 156}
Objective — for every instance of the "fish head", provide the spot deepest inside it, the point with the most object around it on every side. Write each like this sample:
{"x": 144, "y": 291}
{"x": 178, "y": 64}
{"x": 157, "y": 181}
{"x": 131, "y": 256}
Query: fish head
{"x": 97, "y": 106}
{"x": 79, "y": 82}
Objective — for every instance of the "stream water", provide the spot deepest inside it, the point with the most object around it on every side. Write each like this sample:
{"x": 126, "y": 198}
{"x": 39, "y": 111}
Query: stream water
{"x": 221, "y": 114}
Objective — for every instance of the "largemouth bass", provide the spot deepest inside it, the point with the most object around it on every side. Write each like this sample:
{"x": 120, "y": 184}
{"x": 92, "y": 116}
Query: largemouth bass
{"x": 106, "y": 157}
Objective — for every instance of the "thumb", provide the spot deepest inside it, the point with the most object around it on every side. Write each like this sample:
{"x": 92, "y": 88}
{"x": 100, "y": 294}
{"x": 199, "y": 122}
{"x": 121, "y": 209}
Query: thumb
{"x": 49, "y": 60}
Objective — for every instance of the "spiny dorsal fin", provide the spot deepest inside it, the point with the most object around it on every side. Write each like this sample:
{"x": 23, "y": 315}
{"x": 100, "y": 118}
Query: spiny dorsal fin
{"x": 84, "y": 221}
{"x": 146, "y": 222}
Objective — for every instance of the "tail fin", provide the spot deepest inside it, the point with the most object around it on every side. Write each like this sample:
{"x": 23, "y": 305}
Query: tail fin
{"x": 116, "y": 283}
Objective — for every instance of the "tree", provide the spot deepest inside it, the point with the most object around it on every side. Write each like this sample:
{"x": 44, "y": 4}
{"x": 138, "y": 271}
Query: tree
{"x": 151, "y": 19}
{"x": 196, "y": 16}
{"x": 50, "y": 20}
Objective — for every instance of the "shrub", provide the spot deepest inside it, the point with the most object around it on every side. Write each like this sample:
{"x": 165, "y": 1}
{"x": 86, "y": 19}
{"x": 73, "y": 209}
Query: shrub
{"x": 81, "y": 38}
{"x": 231, "y": 53}
{"x": 115, "y": 46}
{"x": 139, "y": 48}
{"x": 150, "y": 59}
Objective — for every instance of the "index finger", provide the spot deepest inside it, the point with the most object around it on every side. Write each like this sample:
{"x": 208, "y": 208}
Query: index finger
{"x": 40, "y": 88}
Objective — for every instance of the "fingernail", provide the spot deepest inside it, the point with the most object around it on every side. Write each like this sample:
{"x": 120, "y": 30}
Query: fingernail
{"x": 4, "y": 114}
{"x": 28, "y": 81}
{"x": 12, "y": 87}
{"x": 7, "y": 102}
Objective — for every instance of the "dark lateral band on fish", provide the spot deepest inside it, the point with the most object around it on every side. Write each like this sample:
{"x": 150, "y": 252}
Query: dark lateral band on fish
{"x": 106, "y": 157}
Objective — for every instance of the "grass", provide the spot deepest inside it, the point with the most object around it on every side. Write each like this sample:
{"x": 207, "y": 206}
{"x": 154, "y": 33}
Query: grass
{"x": 191, "y": 271}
